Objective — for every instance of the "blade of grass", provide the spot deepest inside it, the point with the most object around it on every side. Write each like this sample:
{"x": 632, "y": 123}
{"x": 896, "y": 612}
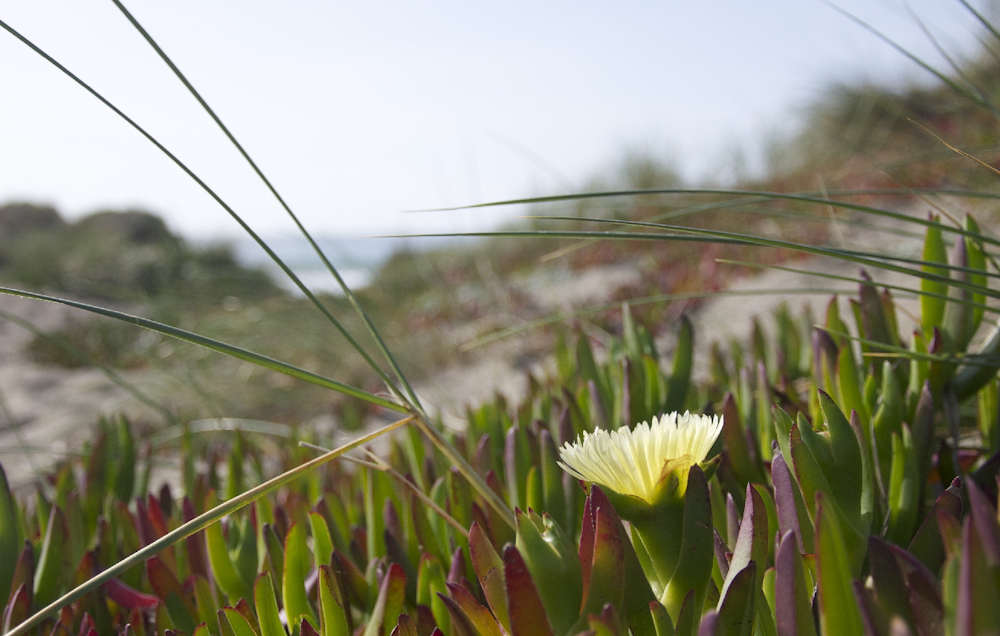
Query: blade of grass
{"x": 954, "y": 149}
{"x": 198, "y": 523}
{"x": 986, "y": 23}
{"x": 808, "y": 197}
{"x": 715, "y": 236}
{"x": 281, "y": 264}
{"x": 218, "y": 346}
{"x": 873, "y": 258}
{"x": 326, "y": 262}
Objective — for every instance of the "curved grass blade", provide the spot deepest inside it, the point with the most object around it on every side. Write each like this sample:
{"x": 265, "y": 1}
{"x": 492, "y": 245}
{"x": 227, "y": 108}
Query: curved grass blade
{"x": 267, "y": 182}
{"x": 715, "y": 236}
{"x": 807, "y": 197}
{"x": 218, "y": 346}
{"x": 875, "y": 259}
{"x": 198, "y": 523}
{"x": 246, "y": 228}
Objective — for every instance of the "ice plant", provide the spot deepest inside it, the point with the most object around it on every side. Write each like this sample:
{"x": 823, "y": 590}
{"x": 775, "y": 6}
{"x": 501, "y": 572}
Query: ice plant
{"x": 653, "y": 479}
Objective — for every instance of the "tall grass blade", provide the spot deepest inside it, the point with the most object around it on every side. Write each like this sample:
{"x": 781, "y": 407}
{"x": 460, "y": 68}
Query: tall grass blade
{"x": 802, "y": 197}
{"x": 871, "y": 259}
{"x": 326, "y": 262}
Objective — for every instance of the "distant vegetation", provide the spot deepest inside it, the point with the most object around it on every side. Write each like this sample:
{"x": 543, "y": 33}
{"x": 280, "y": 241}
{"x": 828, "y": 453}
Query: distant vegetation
{"x": 118, "y": 256}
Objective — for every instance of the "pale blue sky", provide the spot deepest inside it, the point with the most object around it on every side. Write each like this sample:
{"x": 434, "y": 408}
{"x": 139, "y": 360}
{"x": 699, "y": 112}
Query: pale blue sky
{"x": 358, "y": 110}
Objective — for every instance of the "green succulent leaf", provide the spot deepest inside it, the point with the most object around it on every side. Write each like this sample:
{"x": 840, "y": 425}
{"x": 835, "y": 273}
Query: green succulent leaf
{"x": 838, "y": 609}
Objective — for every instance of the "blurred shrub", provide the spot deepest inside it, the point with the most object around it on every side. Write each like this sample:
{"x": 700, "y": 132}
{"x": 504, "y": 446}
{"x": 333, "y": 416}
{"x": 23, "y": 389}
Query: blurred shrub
{"x": 124, "y": 256}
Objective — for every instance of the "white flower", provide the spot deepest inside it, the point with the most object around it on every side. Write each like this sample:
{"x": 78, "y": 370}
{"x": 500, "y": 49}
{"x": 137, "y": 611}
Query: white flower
{"x": 629, "y": 462}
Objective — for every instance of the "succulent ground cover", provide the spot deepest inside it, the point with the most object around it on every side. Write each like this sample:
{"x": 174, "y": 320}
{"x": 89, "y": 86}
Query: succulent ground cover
{"x": 845, "y": 494}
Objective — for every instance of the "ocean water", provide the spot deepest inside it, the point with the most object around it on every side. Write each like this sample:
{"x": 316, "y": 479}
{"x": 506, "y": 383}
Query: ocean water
{"x": 356, "y": 258}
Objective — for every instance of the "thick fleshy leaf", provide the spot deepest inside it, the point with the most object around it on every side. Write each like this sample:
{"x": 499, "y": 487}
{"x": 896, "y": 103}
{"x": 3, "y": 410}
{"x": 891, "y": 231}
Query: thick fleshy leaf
{"x": 306, "y": 629}
{"x": 791, "y": 510}
{"x": 552, "y": 490}
{"x": 480, "y": 617}
{"x": 846, "y": 453}
{"x": 405, "y": 627}
{"x": 51, "y": 562}
{"x": 984, "y": 517}
{"x": 204, "y": 600}
{"x": 875, "y": 622}
{"x": 389, "y": 604}
{"x": 932, "y": 304}
{"x": 332, "y": 606}
{"x": 524, "y": 607}
{"x": 607, "y": 572}
{"x": 751, "y": 545}
{"x": 736, "y": 441}
{"x": 555, "y": 567}
{"x": 736, "y": 609}
{"x": 297, "y": 565}
{"x": 24, "y": 572}
{"x": 226, "y": 576}
{"x": 637, "y": 591}
{"x": 887, "y": 420}
{"x": 977, "y": 587}
{"x": 517, "y": 463}
{"x": 606, "y": 623}
{"x": 808, "y": 473}
{"x": 838, "y": 609}
{"x": 489, "y": 568}
{"x": 687, "y": 621}
{"x": 322, "y": 543}
{"x": 694, "y": 567}
{"x": 904, "y": 489}
{"x": 889, "y": 581}
{"x": 179, "y": 606}
{"x": 793, "y": 609}
{"x": 17, "y": 609}
{"x": 459, "y": 624}
{"x": 431, "y": 582}
{"x": 662, "y": 624}
{"x": 927, "y": 544}
{"x": 267, "y": 607}
{"x": 680, "y": 375}
{"x": 127, "y": 596}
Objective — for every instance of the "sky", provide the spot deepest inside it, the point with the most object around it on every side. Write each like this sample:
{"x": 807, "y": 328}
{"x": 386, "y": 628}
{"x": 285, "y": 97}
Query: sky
{"x": 360, "y": 111}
